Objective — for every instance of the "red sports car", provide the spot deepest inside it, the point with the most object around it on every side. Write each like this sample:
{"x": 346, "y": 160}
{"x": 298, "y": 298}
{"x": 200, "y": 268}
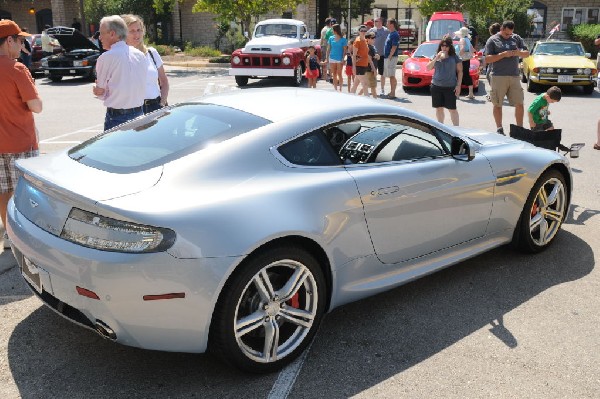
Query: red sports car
{"x": 415, "y": 73}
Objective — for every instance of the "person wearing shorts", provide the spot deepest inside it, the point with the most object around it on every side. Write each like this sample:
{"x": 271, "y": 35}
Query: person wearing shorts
{"x": 18, "y": 138}
{"x": 360, "y": 60}
{"x": 390, "y": 53}
{"x": 446, "y": 81}
{"x": 381, "y": 33}
{"x": 503, "y": 50}
{"x": 371, "y": 68}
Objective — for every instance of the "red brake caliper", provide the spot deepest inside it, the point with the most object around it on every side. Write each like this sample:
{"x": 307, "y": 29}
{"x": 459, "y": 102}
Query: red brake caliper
{"x": 534, "y": 209}
{"x": 294, "y": 301}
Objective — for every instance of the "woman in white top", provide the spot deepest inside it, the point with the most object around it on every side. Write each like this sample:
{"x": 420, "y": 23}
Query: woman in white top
{"x": 464, "y": 49}
{"x": 157, "y": 84}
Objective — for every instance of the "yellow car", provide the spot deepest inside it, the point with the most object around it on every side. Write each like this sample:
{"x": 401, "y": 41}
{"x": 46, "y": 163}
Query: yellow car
{"x": 559, "y": 63}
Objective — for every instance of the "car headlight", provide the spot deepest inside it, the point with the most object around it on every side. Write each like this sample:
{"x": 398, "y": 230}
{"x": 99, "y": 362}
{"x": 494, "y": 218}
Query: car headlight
{"x": 286, "y": 60}
{"x": 107, "y": 234}
{"x": 587, "y": 71}
{"x": 413, "y": 66}
{"x": 80, "y": 63}
{"x": 236, "y": 60}
{"x": 550, "y": 70}
{"x": 44, "y": 62}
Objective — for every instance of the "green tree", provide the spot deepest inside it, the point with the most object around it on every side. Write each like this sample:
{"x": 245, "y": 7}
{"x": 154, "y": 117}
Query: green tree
{"x": 339, "y": 8}
{"x": 243, "y": 12}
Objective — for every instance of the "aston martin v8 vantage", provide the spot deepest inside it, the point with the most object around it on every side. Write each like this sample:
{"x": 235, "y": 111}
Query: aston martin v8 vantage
{"x": 235, "y": 222}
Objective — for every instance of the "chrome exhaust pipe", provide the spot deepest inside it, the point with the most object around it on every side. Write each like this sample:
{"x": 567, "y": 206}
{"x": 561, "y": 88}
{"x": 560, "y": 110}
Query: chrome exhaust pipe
{"x": 104, "y": 330}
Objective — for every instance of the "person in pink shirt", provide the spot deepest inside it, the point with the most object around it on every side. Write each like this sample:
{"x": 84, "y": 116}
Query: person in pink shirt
{"x": 120, "y": 74}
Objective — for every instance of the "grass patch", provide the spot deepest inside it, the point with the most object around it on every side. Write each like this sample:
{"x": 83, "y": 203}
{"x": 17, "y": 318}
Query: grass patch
{"x": 224, "y": 59}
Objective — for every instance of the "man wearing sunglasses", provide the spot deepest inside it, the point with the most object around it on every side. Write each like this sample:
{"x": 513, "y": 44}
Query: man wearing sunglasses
{"x": 18, "y": 100}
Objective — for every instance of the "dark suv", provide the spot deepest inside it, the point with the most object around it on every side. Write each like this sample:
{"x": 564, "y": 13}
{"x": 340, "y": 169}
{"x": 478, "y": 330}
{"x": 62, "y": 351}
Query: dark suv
{"x": 78, "y": 59}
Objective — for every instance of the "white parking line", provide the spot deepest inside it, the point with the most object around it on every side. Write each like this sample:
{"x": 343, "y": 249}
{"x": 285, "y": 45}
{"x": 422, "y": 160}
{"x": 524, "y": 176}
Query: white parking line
{"x": 287, "y": 377}
{"x": 90, "y": 129}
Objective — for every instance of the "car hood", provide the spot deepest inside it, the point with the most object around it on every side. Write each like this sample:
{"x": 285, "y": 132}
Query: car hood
{"x": 564, "y": 61}
{"x": 270, "y": 44}
{"x": 65, "y": 175}
{"x": 71, "y": 39}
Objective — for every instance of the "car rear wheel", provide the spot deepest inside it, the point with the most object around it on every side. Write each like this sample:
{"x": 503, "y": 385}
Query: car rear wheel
{"x": 543, "y": 214}
{"x": 241, "y": 80}
{"x": 297, "y": 79}
{"x": 269, "y": 311}
{"x": 55, "y": 78}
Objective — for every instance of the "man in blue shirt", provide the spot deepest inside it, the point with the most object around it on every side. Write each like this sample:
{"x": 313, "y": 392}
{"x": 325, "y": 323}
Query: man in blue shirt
{"x": 390, "y": 53}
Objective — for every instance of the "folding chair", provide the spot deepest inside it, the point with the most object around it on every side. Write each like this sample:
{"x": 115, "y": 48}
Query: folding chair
{"x": 549, "y": 139}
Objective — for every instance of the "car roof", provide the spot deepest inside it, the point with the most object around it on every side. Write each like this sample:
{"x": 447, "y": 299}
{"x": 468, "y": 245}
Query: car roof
{"x": 557, "y": 41}
{"x": 281, "y": 21}
{"x": 270, "y": 103}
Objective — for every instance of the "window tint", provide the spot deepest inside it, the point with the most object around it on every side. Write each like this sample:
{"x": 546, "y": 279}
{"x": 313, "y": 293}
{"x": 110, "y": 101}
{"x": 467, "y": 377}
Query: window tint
{"x": 163, "y": 136}
{"x": 312, "y": 149}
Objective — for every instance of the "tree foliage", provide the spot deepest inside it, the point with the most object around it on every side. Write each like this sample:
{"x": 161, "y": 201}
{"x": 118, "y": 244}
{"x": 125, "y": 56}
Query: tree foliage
{"x": 339, "y": 8}
{"x": 244, "y": 12}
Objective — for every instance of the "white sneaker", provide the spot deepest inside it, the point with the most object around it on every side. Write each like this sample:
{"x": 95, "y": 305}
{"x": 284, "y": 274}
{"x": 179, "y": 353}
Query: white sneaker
{"x": 6, "y": 241}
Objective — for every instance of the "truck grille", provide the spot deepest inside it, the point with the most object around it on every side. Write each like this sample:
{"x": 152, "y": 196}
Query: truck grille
{"x": 260, "y": 61}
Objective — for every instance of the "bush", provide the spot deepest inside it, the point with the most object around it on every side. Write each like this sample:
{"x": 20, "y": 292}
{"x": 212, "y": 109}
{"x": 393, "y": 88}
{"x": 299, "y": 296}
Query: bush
{"x": 203, "y": 51}
{"x": 224, "y": 59}
{"x": 163, "y": 49}
{"x": 586, "y": 34}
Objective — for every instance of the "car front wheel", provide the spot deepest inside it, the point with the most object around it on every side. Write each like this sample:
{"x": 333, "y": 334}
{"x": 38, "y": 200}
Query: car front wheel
{"x": 297, "y": 79}
{"x": 589, "y": 89}
{"x": 532, "y": 87}
{"x": 543, "y": 214}
{"x": 241, "y": 80}
{"x": 269, "y": 310}
{"x": 55, "y": 78}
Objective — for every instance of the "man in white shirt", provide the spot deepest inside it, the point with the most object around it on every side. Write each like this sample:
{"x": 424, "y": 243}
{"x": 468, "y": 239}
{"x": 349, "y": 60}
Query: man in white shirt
{"x": 120, "y": 74}
{"x": 48, "y": 43}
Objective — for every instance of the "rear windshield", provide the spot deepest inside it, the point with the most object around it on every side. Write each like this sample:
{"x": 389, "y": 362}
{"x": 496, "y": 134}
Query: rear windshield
{"x": 163, "y": 136}
{"x": 442, "y": 27}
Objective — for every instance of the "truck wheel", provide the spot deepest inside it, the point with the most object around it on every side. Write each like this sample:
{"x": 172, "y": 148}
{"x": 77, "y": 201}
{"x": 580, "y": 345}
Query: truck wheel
{"x": 297, "y": 79}
{"x": 241, "y": 80}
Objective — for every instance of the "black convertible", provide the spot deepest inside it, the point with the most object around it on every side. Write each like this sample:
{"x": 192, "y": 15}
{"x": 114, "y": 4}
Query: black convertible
{"x": 78, "y": 59}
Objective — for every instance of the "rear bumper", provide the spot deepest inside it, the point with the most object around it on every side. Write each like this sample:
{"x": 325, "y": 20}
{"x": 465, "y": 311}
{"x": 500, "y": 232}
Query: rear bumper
{"x": 261, "y": 72}
{"x": 120, "y": 282}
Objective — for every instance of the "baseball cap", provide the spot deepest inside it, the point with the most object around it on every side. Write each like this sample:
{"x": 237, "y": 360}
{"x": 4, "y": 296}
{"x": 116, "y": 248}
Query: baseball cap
{"x": 10, "y": 28}
{"x": 333, "y": 21}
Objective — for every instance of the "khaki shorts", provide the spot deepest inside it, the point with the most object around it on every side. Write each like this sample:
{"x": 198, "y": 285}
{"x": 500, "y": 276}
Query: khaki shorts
{"x": 389, "y": 67}
{"x": 371, "y": 80}
{"x": 506, "y": 86}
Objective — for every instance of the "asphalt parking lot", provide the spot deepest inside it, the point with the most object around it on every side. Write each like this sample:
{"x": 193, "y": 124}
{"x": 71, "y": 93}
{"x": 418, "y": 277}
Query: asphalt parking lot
{"x": 499, "y": 325}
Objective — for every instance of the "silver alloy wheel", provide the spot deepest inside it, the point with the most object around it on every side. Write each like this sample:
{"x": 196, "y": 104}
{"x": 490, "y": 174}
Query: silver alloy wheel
{"x": 276, "y": 311}
{"x": 547, "y": 211}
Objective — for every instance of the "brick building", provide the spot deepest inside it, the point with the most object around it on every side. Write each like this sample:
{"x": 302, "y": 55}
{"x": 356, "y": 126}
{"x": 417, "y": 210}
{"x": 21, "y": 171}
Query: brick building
{"x": 34, "y": 15}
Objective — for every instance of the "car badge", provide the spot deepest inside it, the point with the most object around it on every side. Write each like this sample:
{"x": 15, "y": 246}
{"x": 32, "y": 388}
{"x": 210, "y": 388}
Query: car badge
{"x": 33, "y": 203}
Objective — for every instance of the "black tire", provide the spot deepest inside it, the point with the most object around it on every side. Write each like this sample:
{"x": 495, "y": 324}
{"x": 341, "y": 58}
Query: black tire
{"x": 280, "y": 291}
{"x": 523, "y": 77}
{"x": 531, "y": 86}
{"x": 55, "y": 78}
{"x": 543, "y": 213}
{"x": 92, "y": 75}
{"x": 588, "y": 89}
{"x": 241, "y": 80}
{"x": 297, "y": 78}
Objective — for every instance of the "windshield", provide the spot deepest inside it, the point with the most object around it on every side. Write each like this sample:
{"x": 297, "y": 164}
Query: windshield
{"x": 559, "y": 49}
{"x": 443, "y": 27}
{"x": 163, "y": 136}
{"x": 284, "y": 30}
{"x": 426, "y": 50}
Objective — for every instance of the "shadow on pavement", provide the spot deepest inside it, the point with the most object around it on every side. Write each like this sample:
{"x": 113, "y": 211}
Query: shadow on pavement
{"x": 390, "y": 333}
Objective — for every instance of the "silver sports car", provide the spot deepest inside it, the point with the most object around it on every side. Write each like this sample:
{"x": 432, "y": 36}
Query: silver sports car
{"x": 235, "y": 222}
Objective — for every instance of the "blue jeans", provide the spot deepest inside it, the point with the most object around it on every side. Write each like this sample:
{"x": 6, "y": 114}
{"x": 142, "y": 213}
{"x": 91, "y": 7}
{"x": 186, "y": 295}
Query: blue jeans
{"x": 151, "y": 107}
{"x": 113, "y": 119}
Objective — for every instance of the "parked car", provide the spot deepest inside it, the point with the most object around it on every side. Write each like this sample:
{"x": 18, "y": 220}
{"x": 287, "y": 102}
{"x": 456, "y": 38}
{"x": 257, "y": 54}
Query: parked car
{"x": 407, "y": 30}
{"x": 237, "y": 221}
{"x": 37, "y": 54}
{"x": 78, "y": 59}
{"x": 278, "y": 48}
{"x": 415, "y": 73}
{"x": 559, "y": 63}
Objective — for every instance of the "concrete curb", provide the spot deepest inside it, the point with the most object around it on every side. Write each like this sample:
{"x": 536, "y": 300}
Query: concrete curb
{"x": 196, "y": 64}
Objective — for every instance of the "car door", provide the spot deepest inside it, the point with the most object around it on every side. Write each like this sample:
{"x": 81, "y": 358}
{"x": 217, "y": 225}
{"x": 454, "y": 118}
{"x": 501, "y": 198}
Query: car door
{"x": 417, "y": 198}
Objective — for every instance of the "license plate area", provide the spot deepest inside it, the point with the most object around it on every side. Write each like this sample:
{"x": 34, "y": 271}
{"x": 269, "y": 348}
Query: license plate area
{"x": 31, "y": 273}
{"x": 565, "y": 79}
{"x": 72, "y": 71}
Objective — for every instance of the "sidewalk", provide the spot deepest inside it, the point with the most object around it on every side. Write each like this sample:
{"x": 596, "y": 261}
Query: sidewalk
{"x": 182, "y": 60}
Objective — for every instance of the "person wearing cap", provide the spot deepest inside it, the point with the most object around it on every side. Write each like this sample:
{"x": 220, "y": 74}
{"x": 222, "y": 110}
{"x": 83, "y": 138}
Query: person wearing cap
{"x": 18, "y": 101}
{"x": 381, "y": 34}
{"x": 121, "y": 74}
{"x": 464, "y": 49}
{"x": 48, "y": 43}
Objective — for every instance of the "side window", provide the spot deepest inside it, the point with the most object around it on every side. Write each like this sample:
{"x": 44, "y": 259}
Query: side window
{"x": 312, "y": 149}
{"x": 392, "y": 139}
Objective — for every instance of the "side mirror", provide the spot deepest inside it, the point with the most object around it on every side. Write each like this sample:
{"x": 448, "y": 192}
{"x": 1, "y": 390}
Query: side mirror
{"x": 305, "y": 35}
{"x": 461, "y": 150}
{"x": 588, "y": 55}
